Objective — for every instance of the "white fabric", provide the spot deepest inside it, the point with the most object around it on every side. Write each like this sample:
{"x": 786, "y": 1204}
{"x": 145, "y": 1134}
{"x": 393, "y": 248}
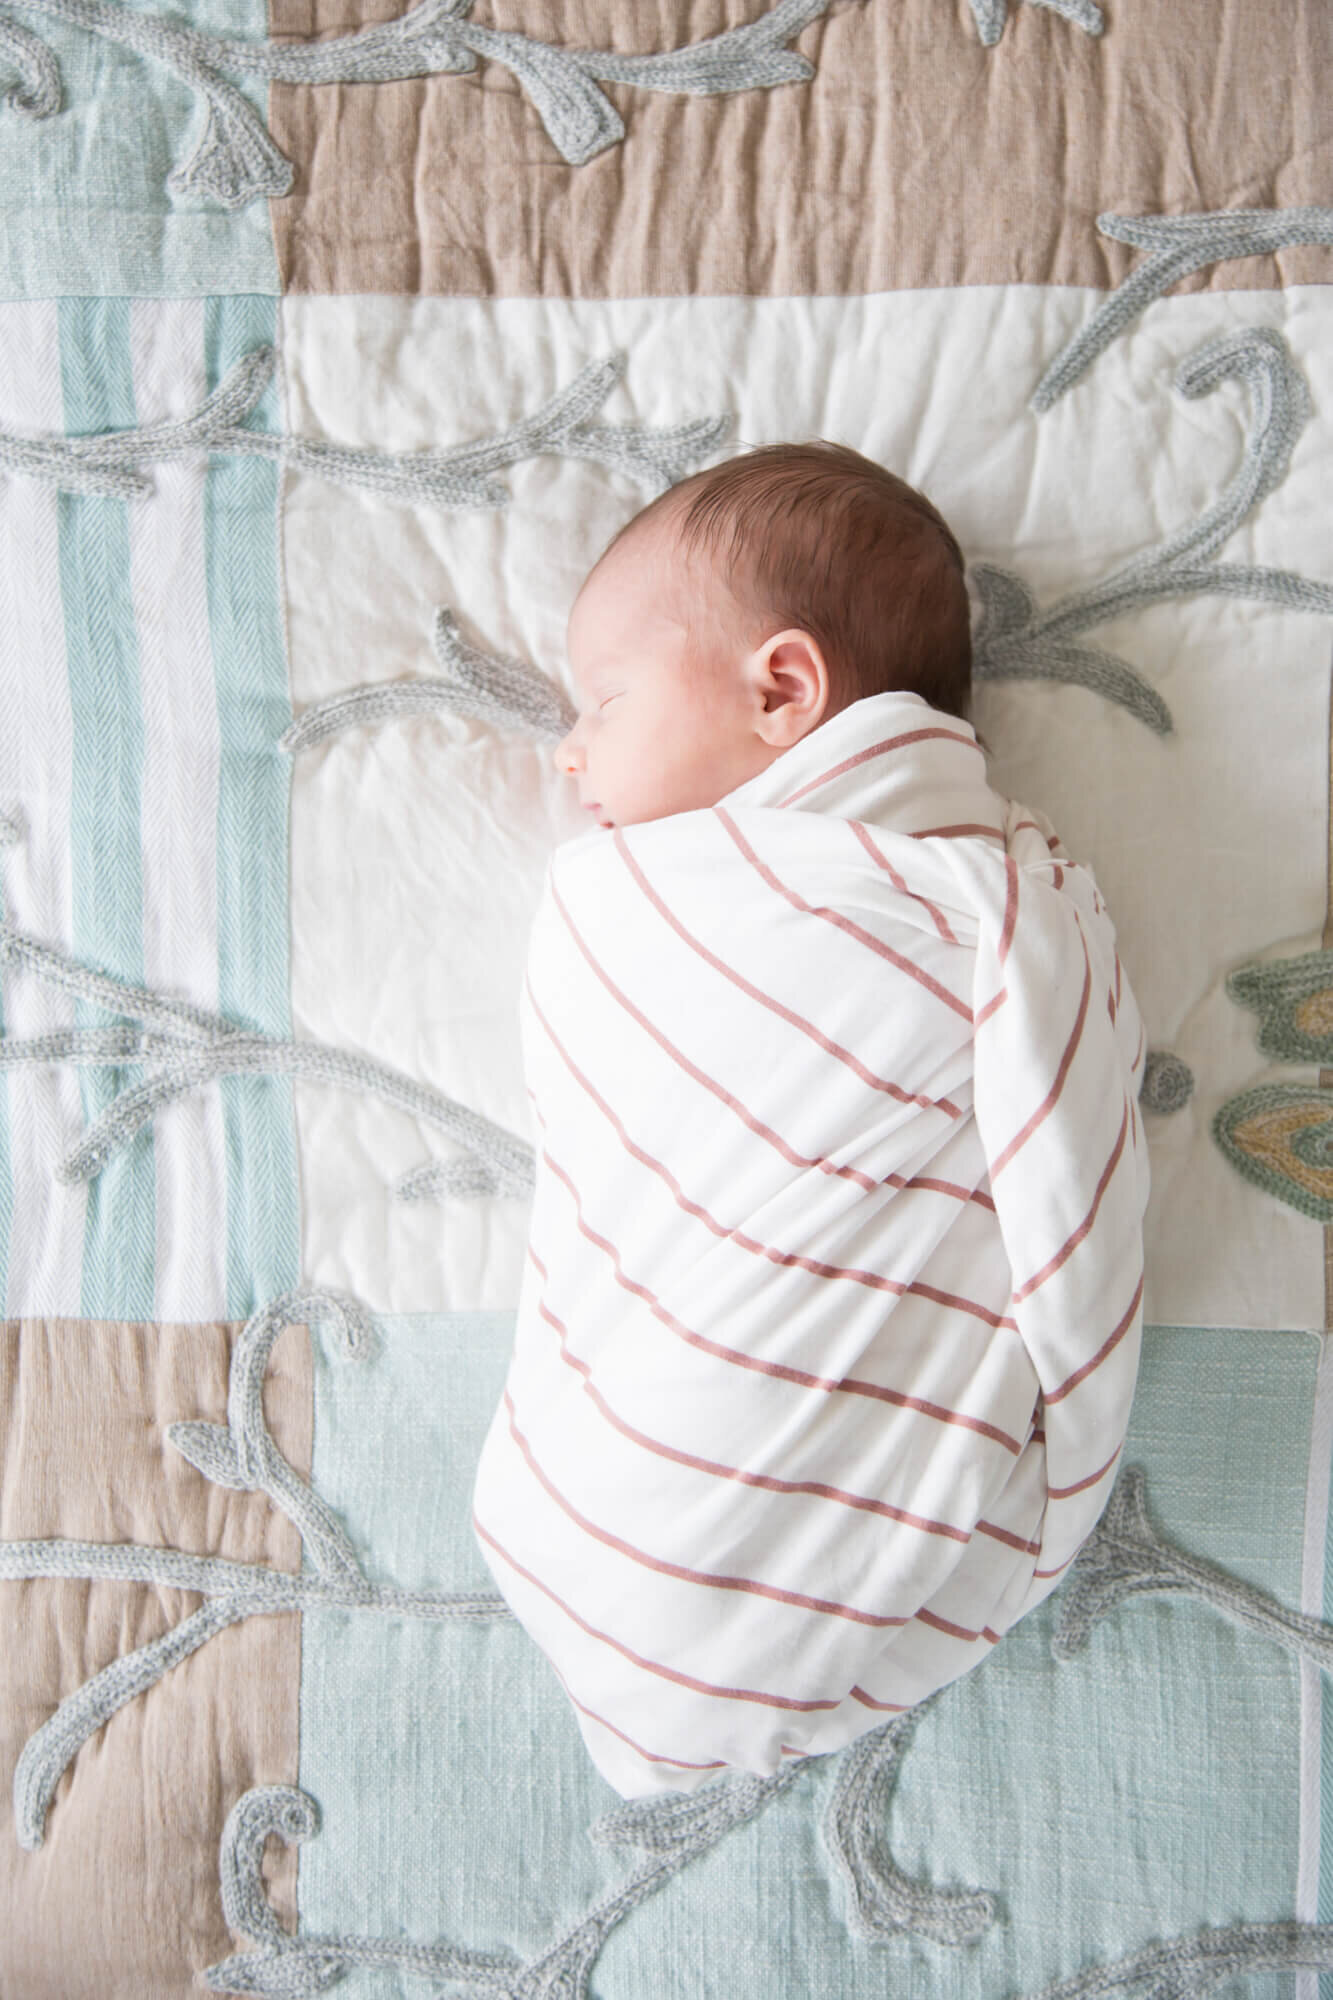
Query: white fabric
{"x": 828, "y": 1337}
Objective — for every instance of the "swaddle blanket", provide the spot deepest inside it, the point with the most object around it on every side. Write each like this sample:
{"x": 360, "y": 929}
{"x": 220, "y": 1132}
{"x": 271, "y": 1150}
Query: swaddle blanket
{"x": 829, "y": 1332}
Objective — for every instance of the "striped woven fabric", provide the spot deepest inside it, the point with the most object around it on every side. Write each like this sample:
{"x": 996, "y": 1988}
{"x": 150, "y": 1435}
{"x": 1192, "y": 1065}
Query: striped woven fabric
{"x": 830, "y": 1327}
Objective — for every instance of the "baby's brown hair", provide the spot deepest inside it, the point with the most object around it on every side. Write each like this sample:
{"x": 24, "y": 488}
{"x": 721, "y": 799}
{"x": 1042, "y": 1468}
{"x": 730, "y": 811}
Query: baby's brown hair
{"x": 825, "y": 540}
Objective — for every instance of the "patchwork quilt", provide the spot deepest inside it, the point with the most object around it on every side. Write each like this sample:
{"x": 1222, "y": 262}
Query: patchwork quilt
{"x": 335, "y": 343}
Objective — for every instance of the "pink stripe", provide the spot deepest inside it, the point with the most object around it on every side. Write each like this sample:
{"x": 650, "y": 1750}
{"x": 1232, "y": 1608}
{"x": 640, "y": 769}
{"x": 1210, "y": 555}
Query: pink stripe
{"x": 1010, "y": 907}
{"x": 992, "y": 1006}
{"x": 868, "y": 1701}
{"x": 842, "y": 923}
{"x": 1043, "y": 1110}
{"x": 849, "y": 1385}
{"x": 827, "y": 1606}
{"x": 917, "y": 1289}
{"x": 1027, "y": 1548}
{"x": 1071, "y": 1243}
{"x": 941, "y": 923}
{"x": 788, "y": 1259}
{"x": 877, "y": 750}
{"x": 966, "y": 830}
{"x": 652, "y": 1756}
{"x": 768, "y": 1482}
{"x": 1081, "y": 1486}
{"x": 894, "y": 1090}
{"x": 1112, "y": 1340}
{"x": 938, "y": 1624}
{"x": 639, "y": 1660}
{"x": 1059, "y": 876}
{"x": 756, "y": 1125}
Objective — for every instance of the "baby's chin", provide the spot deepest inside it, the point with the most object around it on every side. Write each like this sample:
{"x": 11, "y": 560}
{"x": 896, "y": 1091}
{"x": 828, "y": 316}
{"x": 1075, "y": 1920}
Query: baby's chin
{"x": 645, "y": 815}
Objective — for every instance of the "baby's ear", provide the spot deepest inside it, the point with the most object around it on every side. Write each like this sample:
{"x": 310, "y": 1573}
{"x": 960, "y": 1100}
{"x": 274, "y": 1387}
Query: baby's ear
{"x": 794, "y": 684}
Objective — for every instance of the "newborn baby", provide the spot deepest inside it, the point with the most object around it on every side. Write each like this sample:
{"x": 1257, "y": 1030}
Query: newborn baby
{"x": 830, "y": 1324}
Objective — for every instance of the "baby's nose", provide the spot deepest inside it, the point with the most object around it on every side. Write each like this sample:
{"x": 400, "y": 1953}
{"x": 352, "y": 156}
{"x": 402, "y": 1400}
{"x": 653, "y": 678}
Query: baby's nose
{"x": 567, "y": 756}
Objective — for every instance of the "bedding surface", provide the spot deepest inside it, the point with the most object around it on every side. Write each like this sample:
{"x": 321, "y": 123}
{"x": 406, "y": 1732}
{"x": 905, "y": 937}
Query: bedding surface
{"x": 335, "y": 342}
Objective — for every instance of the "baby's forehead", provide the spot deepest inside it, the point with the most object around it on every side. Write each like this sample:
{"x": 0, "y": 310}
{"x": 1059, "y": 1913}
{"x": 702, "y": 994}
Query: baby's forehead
{"x": 646, "y": 575}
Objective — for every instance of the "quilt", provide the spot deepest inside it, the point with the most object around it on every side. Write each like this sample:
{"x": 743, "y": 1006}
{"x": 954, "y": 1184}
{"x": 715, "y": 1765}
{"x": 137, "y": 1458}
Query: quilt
{"x": 336, "y": 340}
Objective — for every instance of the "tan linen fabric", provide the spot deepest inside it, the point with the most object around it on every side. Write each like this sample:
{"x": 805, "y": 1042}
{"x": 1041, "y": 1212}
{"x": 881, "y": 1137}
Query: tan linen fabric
{"x": 122, "y": 1901}
{"x": 915, "y": 157}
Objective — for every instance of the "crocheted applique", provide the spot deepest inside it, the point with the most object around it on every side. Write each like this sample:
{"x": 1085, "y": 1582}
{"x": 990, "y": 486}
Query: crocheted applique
{"x": 1168, "y": 1083}
{"x": 1280, "y": 1136}
{"x": 1293, "y": 998}
{"x": 883, "y": 1902}
{"x": 507, "y": 693}
{"x": 235, "y": 160}
{"x": 1177, "y": 245}
{"x": 1126, "y": 1557}
{"x": 456, "y": 476}
{"x": 670, "y": 1832}
{"x": 240, "y": 1454}
{"x": 1017, "y": 641}
{"x": 991, "y": 16}
{"x": 1185, "y": 1968}
{"x": 187, "y": 1047}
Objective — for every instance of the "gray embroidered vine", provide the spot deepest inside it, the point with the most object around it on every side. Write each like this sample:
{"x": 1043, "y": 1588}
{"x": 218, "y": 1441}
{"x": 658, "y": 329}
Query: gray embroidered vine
{"x": 1017, "y": 641}
{"x": 240, "y": 1454}
{"x": 1186, "y": 1967}
{"x": 235, "y": 160}
{"x": 506, "y": 692}
{"x": 1168, "y": 1083}
{"x": 1126, "y": 1557}
{"x": 191, "y": 1047}
{"x": 1177, "y": 245}
{"x": 671, "y": 1832}
{"x": 457, "y": 476}
{"x": 10, "y": 831}
{"x": 990, "y": 16}
{"x": 883, "y": 1901}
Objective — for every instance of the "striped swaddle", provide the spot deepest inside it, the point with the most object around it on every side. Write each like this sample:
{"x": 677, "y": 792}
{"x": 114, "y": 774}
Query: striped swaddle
{"x": 829, "y": 1331}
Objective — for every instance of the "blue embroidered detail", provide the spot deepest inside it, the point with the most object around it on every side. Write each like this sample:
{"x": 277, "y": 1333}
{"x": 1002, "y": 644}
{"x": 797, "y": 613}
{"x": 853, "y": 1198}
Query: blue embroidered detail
{"x": 235, "y": 160}
{"x": 1177, "y": 245}
{"x": 1126, "y": 1557}
{"x": 505, "y": 692}
{"x": 670, "y": 1831}
{"x": 1186, "y": 1967}
{"x": 883, "y": 1901}
{"x": 991, "y": 15}
{"x": 240, "y": 1454}
{"x": 1017, "y": 641}
{"x": 454, "y": 477}
{"x": 1168, "y": 1083}
{"x": 191, "y": 1047}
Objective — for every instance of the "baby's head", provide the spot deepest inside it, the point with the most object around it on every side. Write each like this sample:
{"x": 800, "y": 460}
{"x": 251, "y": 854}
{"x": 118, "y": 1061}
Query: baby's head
{"x": 743, "y": 608}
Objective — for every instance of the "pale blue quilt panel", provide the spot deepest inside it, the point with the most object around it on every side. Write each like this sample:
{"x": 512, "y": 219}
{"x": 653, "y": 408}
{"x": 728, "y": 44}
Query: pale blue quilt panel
{"x": 1146, "y": 1788}
{"x": 84, "y": 203}
{"x": 123, "y": 823}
